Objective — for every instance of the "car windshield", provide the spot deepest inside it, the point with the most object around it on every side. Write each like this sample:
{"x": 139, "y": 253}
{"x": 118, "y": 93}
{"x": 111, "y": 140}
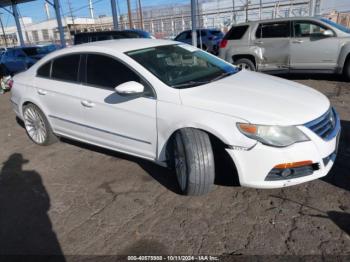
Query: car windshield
{"x": 182, "y": 66}
{"x": 338, "y": 26}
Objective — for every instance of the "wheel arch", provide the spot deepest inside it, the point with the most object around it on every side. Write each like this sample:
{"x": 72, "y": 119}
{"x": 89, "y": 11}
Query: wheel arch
{"x": 225, "y": 166}
{"x": 37, "y": 104}
{"x": 344, "y": 56}
{"x": 246, "y": 56}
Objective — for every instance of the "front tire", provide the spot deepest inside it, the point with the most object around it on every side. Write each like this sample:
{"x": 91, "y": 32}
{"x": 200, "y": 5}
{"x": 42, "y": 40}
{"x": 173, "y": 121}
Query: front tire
{"x": 37, "y": 127}
{"x": 194, "y": 161}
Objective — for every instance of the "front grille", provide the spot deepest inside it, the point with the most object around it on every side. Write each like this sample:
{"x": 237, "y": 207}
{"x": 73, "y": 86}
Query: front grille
{"x": 326, "y": 125}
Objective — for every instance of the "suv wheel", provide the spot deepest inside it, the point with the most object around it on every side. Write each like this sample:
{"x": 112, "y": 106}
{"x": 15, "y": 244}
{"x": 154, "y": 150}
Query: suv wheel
{"x": 37, "y": 126}
{"x": 245, "y": 63}
{"x": 194, "y": 161}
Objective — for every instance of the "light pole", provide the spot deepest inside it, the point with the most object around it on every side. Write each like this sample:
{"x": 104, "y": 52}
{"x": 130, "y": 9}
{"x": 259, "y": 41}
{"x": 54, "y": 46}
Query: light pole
{"x": 194, "y": 21}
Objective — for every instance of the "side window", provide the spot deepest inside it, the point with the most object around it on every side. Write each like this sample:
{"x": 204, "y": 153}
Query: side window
{"x": 44, "y": 70}
{"x": 307, "y": 29}
{"x": 66, "y": 68}
{"x": 273, "y": 30}
{"x": 189, "y": 35}
{"x": 236, "y": 32}
{"x": 107, "y": 72}
{"x": 181, "y": 37}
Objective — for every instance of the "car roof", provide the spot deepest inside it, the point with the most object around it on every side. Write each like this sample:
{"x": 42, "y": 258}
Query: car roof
{"x": 118, "y": 45}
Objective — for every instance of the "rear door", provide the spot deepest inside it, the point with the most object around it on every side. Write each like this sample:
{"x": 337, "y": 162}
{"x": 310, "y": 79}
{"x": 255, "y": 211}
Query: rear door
{"x": 310, "y": 49}
{"x": 273, "y": 38}
{"x": 59, "y": 90}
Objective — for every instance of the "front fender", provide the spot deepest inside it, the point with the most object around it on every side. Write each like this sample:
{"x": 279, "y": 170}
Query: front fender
{"x": 172, "y": 117}
{"x": 344, "y": 52}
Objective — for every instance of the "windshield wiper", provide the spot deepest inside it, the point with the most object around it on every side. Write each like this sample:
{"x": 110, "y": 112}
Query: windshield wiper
{"x": 224, "y": 74}
{"x": 191, "y": 84}
{"x": 198, "y": 83}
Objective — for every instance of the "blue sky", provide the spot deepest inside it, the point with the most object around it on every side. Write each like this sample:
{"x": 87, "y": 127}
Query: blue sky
{"x": 35, "y": 9}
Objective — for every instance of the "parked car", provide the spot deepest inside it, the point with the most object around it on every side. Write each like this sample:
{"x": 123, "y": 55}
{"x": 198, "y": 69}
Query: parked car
{"x": 21, "y": 58}
{"x": 16, "y": 60}
{"x": 315, "y": 45}
{"x": 89, "y": 37}
{"x": 176, "y": 105}
{"x": 207, "y": 39}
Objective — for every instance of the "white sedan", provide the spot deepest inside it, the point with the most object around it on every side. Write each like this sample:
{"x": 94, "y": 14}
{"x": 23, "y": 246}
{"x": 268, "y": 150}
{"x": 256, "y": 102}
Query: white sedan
{"x": 180, "y": 107}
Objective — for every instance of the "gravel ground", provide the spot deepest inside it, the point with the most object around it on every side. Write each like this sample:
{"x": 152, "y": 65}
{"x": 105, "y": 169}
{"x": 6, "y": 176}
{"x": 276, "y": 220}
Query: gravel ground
{"x": 75, "y": 199}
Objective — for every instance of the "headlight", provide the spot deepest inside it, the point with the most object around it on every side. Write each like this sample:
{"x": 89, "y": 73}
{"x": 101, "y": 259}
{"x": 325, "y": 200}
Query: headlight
{"x": 278, "y": 136}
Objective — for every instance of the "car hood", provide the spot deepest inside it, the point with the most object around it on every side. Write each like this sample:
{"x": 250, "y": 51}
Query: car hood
{"x": 258, "y": 98}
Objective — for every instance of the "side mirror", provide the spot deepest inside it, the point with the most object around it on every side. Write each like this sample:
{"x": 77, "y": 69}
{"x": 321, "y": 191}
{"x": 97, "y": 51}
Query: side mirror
{"x": 328, "y": 33}
{"x": 130, "y": 88}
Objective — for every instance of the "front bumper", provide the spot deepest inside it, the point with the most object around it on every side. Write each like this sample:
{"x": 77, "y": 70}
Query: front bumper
{"x": 254, "y": 165}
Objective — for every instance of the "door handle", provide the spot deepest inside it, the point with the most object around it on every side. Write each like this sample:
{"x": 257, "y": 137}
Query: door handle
{"x": 87, "y": 103}
{"x": 298, "y": 41}
{"x": 42, "y": 92}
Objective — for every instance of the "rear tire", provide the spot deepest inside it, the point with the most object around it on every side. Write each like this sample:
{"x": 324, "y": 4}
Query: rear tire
{"x": 37, "y": 127}
{"x": 194, "y": 161}
{"x": 245, "y": 63}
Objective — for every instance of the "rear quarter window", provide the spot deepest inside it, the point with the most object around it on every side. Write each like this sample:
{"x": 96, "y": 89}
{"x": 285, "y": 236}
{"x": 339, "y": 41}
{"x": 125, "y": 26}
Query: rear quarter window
{"x": 44, "y": 70}
{"x": 236, "y": 32}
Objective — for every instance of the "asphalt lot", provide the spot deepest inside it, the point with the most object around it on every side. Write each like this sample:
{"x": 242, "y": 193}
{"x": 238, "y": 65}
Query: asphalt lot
{"x": 74, "y": 199}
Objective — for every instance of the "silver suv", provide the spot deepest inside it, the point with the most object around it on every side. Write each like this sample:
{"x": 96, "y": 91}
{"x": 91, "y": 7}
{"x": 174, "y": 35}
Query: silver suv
{"x": 304, "y": 44}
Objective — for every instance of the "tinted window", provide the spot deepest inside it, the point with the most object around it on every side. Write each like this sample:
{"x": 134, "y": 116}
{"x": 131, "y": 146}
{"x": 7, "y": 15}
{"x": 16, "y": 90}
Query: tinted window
{"x": 236, "y": 32}
{"x": 181, "y": 37}
{"x": 66, "y": 68}
{"x": 44, "y": 70}
{"x": 307, "y": 29}
{"x": 107, "y": 72}
{"x": 273, "y": 30}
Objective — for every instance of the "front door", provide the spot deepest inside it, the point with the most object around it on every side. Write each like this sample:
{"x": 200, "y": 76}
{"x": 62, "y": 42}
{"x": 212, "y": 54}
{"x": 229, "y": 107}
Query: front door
{"x": 125, "y": 123}
{"x": 310, "y": 49}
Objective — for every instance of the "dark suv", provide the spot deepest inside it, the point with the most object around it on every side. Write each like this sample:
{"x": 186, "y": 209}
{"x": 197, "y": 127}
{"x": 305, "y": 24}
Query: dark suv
{"x": 207, "y": 39}
{"x": 82, "y": 38}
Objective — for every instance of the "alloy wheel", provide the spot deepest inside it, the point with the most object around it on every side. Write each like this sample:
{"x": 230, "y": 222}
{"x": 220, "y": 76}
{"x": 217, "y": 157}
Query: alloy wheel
{"x": 35, "y": 125}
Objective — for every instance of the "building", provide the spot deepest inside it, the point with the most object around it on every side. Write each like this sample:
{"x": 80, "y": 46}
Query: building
{"x": 46, "y": 31}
